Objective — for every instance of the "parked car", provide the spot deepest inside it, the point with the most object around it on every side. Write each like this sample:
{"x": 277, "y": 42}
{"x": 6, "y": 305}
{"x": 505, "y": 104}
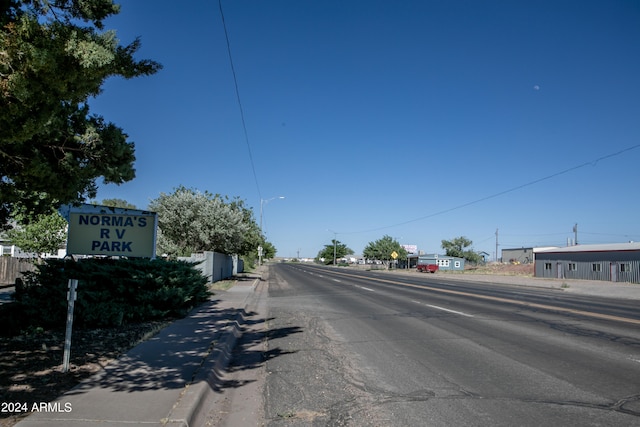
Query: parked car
{"x": 424, "y": 268}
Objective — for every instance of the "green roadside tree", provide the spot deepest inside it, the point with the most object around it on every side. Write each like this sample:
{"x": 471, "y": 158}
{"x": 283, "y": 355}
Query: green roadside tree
{"x": 192, "y": 221}
{"x": 383, "y": 249}
{"x": 333, "y": 252}
{"x": 54, "y": 56}
{"x": 268, "y": 250}
{"x": 253, "y": 238}
{"x": 45, "y": 235}
{"x": 457, "y": 247}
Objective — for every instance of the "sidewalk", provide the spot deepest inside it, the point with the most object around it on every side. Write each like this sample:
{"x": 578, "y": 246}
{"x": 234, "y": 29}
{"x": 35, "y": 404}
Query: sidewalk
{"x": 165, "y": 381}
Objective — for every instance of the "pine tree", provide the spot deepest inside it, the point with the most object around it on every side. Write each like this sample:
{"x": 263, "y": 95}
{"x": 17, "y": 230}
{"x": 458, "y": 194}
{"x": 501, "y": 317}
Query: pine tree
{"x": 54, "y": 56}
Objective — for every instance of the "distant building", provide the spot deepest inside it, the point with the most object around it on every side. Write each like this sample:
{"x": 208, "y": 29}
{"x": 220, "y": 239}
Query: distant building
{"x": 444, "y": 262}
{"x": 616, "y": 262}
{"x": 412, "y": 260}
{"x": 522, "y": 255}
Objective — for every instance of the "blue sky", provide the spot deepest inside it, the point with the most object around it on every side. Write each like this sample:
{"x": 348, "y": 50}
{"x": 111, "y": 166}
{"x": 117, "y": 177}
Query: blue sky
{"x": 421, "y": 120}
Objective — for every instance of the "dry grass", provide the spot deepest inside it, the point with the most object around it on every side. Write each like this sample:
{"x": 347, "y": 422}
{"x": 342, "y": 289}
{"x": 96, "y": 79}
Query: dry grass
{"x": 502, "y": 269}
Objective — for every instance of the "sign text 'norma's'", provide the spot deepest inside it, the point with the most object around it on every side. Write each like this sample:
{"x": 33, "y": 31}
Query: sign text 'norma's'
{"x": 112, "y": 234}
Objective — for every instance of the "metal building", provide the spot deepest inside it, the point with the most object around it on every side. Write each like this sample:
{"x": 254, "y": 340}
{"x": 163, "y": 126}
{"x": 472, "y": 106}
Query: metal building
{"x": 616, "y": 262}
{"x": 522, "y": 255}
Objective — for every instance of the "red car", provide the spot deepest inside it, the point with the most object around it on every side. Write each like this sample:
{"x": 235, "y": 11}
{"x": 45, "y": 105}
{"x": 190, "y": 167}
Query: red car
{"x": 431, "y": 268}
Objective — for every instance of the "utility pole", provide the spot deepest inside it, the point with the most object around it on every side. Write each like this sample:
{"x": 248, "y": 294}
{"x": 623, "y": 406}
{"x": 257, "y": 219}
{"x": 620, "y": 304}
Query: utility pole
{"x": 335, "y": 243}
{"x": 496, "y": 245}
{"x": 575, "y": 232}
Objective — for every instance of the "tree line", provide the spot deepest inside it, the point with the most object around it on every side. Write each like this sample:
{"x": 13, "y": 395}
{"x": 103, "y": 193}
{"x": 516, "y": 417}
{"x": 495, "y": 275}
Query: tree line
{"x": 384, "y": 249}
{"x": 189, "y": 221}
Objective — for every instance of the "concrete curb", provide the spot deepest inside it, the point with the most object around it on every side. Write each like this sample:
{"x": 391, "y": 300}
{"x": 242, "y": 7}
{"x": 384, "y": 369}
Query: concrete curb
{"x": 194, "y": 403}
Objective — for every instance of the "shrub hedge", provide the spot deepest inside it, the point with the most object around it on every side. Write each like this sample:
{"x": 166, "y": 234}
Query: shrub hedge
{"x": 110, "y": 292}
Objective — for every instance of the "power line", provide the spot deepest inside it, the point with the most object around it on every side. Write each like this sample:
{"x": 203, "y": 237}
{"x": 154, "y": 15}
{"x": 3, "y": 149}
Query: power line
{"x": 235, "y": 82}
{"x": 535, "y": 234}
{"x": 528, "y": 184}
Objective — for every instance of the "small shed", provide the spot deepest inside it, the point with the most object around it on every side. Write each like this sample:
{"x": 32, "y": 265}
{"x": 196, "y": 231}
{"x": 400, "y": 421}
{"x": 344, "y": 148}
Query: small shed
{"x": 615, "y": 262}
{"x": 444, "y": 262}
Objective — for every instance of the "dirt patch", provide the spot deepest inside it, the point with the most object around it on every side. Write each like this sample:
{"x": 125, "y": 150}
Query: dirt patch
{"x": 31, "y": 365}
{"x": 502, "y": 269}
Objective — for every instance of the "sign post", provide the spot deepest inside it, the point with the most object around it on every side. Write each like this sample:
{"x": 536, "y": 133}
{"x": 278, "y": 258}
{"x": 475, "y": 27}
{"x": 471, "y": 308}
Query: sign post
{"x": 104, "y": 230}
{"x": 394, "y": 255}
{"x": 71, "y": 298}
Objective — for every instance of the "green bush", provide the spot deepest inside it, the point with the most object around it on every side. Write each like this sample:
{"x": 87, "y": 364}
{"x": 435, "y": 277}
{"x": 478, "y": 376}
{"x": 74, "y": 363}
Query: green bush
{"x": 111, "y": 292}
{"x": 14, "y": 320}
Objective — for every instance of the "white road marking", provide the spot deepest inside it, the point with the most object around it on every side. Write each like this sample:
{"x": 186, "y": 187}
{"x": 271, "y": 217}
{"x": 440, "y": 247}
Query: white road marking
{"x": 366, "y": 289}
{"x": 529, "y": 305}
{"x": 443, "y": 309}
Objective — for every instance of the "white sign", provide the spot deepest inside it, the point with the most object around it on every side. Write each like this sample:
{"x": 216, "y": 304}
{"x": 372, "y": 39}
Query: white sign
{"x": 411, "y": 249}
{"x": 102, "y": 230}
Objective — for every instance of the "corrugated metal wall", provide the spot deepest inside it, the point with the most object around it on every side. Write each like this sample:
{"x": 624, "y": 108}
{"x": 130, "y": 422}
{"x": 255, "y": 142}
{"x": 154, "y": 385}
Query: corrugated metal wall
{"x": 216, "y": 266}
{"x": 523, "y": 255}
{"x": 611, "y": 271}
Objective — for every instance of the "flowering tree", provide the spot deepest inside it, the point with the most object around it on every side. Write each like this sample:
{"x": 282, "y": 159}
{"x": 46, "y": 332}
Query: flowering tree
{"x": 45, "y": 235}
{"x": 191, "y": 221}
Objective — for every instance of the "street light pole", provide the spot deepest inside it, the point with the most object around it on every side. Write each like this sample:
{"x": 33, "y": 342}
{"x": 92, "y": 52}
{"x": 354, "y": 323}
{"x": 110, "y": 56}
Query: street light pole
{"x": 263, "y": 202}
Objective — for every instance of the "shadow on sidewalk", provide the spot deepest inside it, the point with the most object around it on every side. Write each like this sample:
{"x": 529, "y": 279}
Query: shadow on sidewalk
{"x": 173, "y": 358}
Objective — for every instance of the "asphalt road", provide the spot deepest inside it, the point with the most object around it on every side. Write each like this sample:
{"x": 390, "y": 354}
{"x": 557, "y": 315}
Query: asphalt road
{"x": 367, "y": 349}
